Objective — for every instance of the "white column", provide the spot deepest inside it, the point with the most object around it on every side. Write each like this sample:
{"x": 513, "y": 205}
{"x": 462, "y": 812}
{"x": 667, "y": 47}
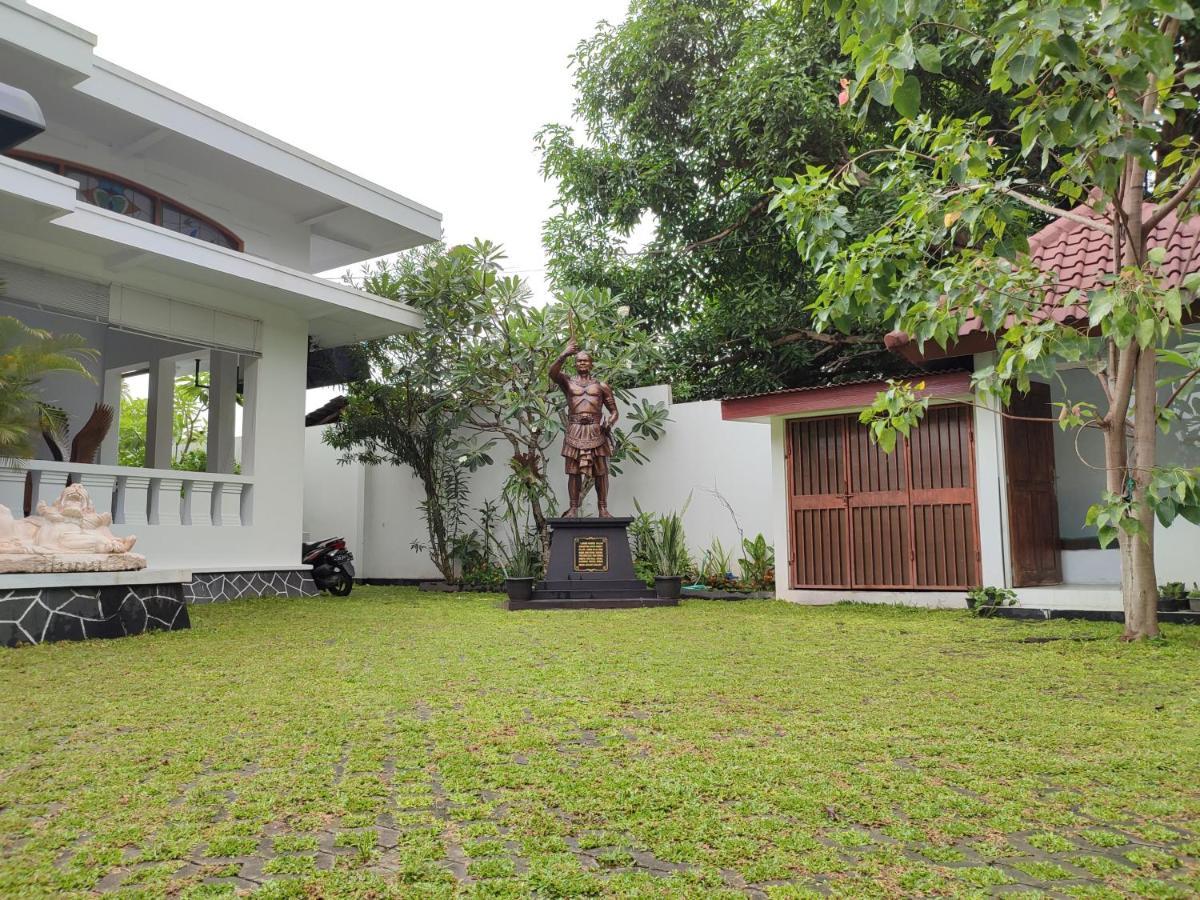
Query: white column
{"x": 780, "y": 509}
{"x": 160, "y": 414}
{"x": 222, "y": 409}
{"x": 249, "y": 418}
{"x": 109, "y": 447}
{"x": 991, "y": 491}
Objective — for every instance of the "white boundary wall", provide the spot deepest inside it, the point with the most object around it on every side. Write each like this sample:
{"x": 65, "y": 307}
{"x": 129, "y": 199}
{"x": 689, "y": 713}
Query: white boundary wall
{"x": 377, "y": 507}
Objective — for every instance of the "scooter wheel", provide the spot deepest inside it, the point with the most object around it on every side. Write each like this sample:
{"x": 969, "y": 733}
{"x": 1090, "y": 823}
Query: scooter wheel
{"x": 342, "y": 585}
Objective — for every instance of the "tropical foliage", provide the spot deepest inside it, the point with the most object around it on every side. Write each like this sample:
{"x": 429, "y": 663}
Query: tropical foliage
{"x": 27, "y": 356}
{"x": 686, "y": 112}
{"x": 475, "y": 378}
{"x": 406, "y": 413}
{"x": 189, "y": 428}
{"x": 1104, "y": 111}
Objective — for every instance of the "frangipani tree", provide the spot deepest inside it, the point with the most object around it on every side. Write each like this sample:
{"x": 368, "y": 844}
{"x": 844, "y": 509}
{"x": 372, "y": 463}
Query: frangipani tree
{"x": 1105, "y": 95}
{"x": 500, "y": 375}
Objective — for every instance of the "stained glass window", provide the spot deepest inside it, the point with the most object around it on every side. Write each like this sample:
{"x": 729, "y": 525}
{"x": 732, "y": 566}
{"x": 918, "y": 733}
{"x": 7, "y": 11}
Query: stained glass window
{"x": 193, "y": 226}
{"x": 128, "y": 199}
{"x": 112, "y": 195}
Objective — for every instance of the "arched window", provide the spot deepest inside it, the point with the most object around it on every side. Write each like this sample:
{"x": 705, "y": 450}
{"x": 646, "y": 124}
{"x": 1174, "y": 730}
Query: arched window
{"x": 129, "y": 198}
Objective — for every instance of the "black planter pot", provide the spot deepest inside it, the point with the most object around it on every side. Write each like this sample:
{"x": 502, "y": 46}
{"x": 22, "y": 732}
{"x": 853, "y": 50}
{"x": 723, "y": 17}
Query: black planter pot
{"x": 1172, "y": 604}
{"x": 519, "y": 588}
{"x": 668, "y": 587}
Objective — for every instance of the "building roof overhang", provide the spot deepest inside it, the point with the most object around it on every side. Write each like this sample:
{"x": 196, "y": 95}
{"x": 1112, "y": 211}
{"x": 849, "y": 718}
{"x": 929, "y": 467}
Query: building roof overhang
{"x": 42, "y": 205}
{"x": 828, "y": 399}
{"x": 349, "y": 218}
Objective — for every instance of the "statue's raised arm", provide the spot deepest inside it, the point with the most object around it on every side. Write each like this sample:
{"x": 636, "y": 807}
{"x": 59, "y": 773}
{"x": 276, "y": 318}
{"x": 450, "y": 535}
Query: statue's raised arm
{"x": 556, "y": 373}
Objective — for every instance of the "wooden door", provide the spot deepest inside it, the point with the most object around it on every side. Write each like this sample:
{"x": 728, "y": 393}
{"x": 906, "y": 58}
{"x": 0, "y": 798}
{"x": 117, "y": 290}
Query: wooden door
{"x": 879, "y": 521}
{"x": 1032, "y": 499}
{"x": 942, "y": 459}
{"x": 861, "y": 518}
{"x": 818, "y": 513}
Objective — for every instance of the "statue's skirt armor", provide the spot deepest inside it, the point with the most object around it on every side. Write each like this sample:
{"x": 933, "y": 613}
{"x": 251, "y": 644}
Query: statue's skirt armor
{"x": 586, "y": 447}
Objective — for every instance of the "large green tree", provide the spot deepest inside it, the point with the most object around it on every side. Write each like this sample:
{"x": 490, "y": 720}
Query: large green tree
{"x": 688, "y": 110}
{"x": 1104, "y": 94}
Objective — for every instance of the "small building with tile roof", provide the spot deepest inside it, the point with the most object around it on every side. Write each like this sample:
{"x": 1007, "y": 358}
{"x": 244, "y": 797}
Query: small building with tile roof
{"x": 971, "y": 497}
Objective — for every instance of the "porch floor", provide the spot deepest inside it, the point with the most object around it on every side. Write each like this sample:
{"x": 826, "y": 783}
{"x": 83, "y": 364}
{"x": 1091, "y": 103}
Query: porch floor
{"x": 1072, "y": 596}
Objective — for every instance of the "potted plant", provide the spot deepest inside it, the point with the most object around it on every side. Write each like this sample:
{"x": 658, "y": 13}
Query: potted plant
{"x": 1172, "y": 596}
{"x": 984, "y": 601}
{"x": 1194, "y": 597}
{"x": 522, "y": 565}
{"x": 667, "y": 550}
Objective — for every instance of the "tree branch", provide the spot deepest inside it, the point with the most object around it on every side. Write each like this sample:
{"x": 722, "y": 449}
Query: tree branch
{"x": 830, "y": 340}
{"x": 756, "y": 209}
{"x": 1055, "y": 211}
{"x": 1188, "y": 379}
{"x": 1179, "y": 196}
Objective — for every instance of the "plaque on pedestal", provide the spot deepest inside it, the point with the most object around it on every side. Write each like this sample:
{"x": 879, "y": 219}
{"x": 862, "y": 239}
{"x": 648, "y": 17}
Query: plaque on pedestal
{"x": 591, "y": 567}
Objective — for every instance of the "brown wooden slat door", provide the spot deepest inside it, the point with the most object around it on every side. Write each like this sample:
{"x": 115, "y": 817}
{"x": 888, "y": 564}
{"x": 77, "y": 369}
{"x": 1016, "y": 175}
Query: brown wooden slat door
{"x": 817, "y": 480}
{"x": 1032, "y": 498}
{"x": 879, "y": 522}
{"x": 862, "y": 518}
{"x": 945, "y": 548}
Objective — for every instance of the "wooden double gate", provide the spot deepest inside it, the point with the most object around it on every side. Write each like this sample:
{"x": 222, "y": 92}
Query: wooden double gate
{"x": 862, "y": 518}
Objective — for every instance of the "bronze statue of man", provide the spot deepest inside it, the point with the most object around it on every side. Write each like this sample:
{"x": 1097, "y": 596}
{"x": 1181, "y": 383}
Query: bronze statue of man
{"x": 587, "y": 444}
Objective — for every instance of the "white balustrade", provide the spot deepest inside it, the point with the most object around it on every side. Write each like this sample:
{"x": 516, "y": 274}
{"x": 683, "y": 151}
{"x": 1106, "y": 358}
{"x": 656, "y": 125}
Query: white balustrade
{"x": 227, "y": 503}
{"x": 166, "y": 501}
{"x": 100, "y": 487}
{"x": 197, "y": 502}
{"x": 12, "y": 489}
{"x": 133, "y": 501}
{"x": 136, "y": 497}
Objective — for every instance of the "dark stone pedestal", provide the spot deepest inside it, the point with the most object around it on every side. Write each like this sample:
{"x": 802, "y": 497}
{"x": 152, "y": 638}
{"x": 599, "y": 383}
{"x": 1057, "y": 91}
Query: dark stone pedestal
{"x": 590, "y": 568}
{"x": 36, "y": 615}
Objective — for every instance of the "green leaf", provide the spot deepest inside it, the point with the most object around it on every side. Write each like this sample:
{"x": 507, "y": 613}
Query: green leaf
{"x": 1021, "y": 68}
{"x": 908, "y": 97}
{"x": 930, "y": 58}
{"x": 1146, "y": 330}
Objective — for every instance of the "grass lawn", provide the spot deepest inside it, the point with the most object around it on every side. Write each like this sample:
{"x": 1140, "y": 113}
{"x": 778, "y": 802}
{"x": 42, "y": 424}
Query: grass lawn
{"x": 403, "y": 744}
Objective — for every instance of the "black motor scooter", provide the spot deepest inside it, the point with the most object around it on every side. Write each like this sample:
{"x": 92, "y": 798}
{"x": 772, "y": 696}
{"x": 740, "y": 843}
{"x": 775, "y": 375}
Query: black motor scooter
{"x": 333, "y": 565}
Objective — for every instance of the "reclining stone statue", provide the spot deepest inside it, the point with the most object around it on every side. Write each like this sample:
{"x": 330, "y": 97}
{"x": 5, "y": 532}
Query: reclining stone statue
{"x": 68, "y": 535}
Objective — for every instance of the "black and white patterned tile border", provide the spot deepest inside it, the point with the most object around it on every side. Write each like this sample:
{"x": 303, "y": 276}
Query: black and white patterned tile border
{"x": 217, "y": 587}
{"x": 41, "y": 615}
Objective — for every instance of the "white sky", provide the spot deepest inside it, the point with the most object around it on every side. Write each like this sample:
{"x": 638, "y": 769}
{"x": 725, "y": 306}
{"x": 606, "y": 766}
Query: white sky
{"x": 438, "y": 101}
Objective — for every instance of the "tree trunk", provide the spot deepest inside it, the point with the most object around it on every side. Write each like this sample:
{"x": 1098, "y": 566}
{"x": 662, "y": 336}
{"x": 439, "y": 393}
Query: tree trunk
{"x": 436, "y": 525}
{"x": 1140, "y": 589}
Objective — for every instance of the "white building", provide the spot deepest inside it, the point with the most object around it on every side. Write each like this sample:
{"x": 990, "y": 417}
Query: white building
{"x": 177, "y": 240}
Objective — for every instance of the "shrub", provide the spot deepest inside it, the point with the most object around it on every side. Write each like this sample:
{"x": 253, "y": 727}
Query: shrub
{"x": 984, "y": 601}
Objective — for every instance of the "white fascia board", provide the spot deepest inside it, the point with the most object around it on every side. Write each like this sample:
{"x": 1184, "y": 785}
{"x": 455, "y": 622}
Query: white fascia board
{"x": 261, "y": 278}
{"x": 141, "y": 97}
{"x": 50, "y": 37}
{"x": 37, "y": 187}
